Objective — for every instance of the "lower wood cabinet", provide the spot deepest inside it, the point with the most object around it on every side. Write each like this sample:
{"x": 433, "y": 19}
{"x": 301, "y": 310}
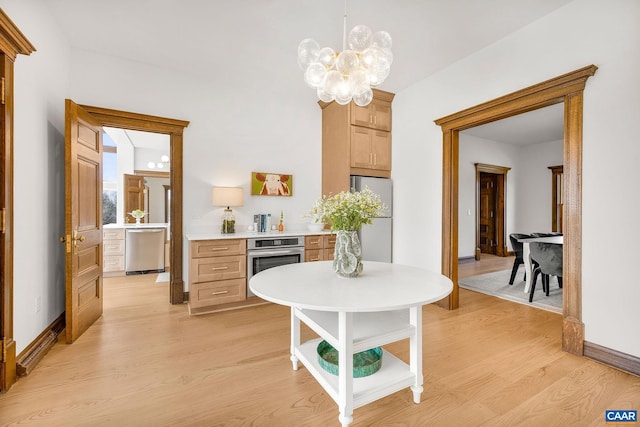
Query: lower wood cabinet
{"x": 217, "y": 273}
{"x": 319, "y": 247}
{"x": 113, "y": 251}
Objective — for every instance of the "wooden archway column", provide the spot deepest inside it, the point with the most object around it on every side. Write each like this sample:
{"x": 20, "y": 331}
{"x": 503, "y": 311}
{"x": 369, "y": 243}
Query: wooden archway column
{"x": 12, "y": 44}
{"x": 567, "y": 88}
{"x": 174, "y": 128}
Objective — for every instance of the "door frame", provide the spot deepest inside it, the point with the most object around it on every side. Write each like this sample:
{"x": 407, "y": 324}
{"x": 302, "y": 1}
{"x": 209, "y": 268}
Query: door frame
{"x": 567, "y": 88}
{"x": 174, "y": 128}
{"x": 12, "y": 44}
{"x": 501, "y": 191}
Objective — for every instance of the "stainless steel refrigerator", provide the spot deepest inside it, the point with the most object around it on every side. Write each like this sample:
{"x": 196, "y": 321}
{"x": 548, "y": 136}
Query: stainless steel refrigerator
{"x": 375, "y": 238}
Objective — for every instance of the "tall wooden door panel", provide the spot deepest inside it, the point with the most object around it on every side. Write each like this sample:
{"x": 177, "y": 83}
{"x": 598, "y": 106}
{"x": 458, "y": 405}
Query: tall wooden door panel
{"x": 488, "y": 188}
{"x": 83, "y": 220}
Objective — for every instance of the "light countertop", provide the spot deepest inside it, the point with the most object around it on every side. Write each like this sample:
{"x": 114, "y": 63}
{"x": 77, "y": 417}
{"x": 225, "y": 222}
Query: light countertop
{"x": 144, "y": 225}
{"x": 252, "y": 234}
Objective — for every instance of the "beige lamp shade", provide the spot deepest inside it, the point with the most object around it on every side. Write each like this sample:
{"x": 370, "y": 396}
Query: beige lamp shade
{"x": 227, "y": 196}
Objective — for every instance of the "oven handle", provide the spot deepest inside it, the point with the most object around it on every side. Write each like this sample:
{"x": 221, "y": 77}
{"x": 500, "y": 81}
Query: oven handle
{"x": 276, "y": 252}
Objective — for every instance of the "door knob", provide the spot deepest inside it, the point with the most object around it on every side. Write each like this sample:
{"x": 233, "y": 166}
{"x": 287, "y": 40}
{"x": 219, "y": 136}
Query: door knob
{"x": 75, "y": 239}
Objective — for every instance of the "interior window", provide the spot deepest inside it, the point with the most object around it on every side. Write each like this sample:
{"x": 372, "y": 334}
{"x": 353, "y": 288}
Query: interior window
{"x": 109, "y": 181}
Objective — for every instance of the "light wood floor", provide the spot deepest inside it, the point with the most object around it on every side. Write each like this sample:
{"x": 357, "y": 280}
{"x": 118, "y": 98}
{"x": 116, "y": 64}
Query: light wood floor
{"x": 147, "y": 363}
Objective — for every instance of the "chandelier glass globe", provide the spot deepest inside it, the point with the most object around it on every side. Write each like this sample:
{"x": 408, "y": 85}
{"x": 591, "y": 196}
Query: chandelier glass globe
{"x": 350, "y": 74}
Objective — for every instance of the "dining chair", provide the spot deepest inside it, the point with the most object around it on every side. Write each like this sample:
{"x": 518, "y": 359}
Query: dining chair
{"x": 549, "y": 259}
{"x": 517, "y": 250}
{"x": 545, "y": 277}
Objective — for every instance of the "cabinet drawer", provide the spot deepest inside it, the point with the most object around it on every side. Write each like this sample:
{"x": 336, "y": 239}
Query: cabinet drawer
{"x": 218, "y": 268}
{"x": 113, "y": 263}
{"x": 328, "y": 254}
{"x": 113, "y": 247}
{"x": 329, "y": 241}
{"x": 312, "y": 255}
{"x": 223, "y": 247}
{"x": 221, "y": 292}
{"x": 313, "y": 242}
{"x": 113, "y": 234}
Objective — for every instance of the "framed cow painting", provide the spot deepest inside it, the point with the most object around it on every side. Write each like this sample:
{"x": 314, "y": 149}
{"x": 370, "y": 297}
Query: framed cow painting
{"x": 271, "y": 184}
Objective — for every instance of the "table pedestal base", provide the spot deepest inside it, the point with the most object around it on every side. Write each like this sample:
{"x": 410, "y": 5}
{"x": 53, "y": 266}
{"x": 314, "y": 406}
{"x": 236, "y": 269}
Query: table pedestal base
{"x": 351, "y": 333}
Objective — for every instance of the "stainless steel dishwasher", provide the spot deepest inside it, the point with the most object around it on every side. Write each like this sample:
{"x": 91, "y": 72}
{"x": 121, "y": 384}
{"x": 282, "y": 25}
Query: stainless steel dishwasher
{"x": 144, "y": 248}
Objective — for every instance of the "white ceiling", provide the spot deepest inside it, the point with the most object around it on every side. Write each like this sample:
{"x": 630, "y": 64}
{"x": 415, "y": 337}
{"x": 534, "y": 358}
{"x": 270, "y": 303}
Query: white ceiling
{"x": 243, "y": 41}
{"x": 542, "y": 125}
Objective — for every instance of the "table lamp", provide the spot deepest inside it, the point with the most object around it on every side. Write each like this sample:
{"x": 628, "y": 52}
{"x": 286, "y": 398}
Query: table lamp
{"x": 227, "y": 196}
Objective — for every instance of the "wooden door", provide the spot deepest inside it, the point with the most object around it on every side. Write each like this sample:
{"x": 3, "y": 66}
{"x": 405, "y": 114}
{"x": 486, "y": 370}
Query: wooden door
{"x": 487, "y": 209}
{"x": 134, "y": 193}
{"x": 83, "y": 220}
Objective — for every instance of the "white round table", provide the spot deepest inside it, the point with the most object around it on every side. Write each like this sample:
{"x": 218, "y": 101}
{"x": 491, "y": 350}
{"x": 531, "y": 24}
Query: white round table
{"x": 381, "y": 306}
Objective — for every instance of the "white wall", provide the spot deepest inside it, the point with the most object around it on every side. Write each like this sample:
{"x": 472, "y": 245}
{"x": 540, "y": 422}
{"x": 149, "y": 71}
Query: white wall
{"x": 156, "y": 206}
{"x": 528, "y": 199}
{"x": 582, "y": 33}
{"x": 533, "y": 192}
{"x": 478, "y": 150}
{"x": 226, "y": 140}
{"x": 41, "y": 85}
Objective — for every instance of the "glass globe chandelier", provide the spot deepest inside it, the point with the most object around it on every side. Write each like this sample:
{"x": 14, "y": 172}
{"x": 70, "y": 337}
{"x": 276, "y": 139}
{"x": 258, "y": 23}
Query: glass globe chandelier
{"x": 365, "y": 62}
{"x": 163, "y": 160}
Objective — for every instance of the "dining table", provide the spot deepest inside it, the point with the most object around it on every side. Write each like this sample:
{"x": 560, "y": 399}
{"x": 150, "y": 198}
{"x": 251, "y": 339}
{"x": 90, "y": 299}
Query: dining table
{"x": 526, "y": 255}
{"x": 380, "y": 306}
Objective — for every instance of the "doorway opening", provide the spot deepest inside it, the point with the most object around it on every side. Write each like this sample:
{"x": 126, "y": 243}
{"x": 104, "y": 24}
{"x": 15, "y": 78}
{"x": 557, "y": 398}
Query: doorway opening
{"x": 174, "y": 129}
{"x": 135, "y": 181}
{"x": 491, "y": 184}
{"x": 567, "y": 88}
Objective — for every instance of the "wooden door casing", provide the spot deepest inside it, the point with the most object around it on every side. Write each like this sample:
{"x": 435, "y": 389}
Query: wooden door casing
{"x": 567, "y": 88}
{"x": 487, "y": 211}
{"x": 83, "y": 220}
{"x": 12, "y": 44}
{"x": 498, "y": 234}
{"x": 556, "y": 198}
{"x": 175, "y": 129}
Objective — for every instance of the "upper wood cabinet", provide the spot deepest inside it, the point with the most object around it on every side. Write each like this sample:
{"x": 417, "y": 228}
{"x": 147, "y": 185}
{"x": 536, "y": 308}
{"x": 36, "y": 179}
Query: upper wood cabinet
{"x": 355, "y": 141}
{"x": 376, "y": 115}
{"x": 370, "y": 149}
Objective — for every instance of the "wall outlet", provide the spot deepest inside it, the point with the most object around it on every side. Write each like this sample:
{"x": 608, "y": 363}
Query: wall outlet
{"x": 38, "y": 304}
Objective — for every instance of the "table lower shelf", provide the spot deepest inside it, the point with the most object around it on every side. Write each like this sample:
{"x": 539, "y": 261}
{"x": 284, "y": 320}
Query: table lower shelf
{"x": 369, "y": 329}
{"x": 394, "y": 375}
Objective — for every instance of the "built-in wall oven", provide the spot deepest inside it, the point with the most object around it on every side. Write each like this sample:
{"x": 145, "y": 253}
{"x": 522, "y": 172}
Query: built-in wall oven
{"x": 267, "y": 252}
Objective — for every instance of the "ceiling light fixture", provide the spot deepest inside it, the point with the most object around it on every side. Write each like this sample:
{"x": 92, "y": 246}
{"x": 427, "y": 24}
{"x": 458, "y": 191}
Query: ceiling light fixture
{"x": 350, "y": 74}
{"x": 160, "y": 165}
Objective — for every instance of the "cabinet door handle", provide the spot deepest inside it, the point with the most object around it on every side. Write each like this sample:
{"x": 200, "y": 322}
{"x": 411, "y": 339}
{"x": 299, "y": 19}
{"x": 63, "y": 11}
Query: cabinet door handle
{"x": 315, "y": 259}
{"x": 219, "y": 292}
{"x": 370, "y": 118}
{"x": 375, "y": 120}
{"x": 219, "y": 268}
{"x": 218, "y": 249}
{"x": 375, "y": 159}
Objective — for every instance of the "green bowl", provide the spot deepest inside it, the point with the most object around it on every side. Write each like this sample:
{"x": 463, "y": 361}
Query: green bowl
{"x": 365, "y": 363}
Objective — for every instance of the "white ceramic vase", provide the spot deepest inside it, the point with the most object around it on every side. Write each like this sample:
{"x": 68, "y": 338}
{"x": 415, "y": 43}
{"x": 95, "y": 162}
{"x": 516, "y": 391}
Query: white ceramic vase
{"x": 347, "y": 258}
